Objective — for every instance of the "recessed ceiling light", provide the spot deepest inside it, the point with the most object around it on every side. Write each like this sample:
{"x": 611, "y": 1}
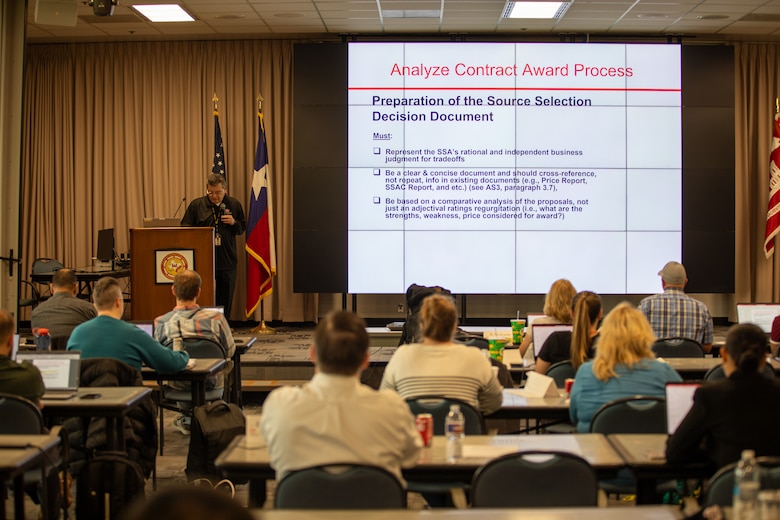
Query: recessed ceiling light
{"x": 411, "y": 13}
{"x": 163, "y": 13}
{"x": 712, "y": 17}
{"x": 653, "y": 16}
{"x": 520, "y": 9}
{"x": 289, "y": 15}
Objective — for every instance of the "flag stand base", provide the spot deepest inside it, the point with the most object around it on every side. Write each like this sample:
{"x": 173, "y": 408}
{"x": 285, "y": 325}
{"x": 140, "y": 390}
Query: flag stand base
{"x": 263, "y": 329}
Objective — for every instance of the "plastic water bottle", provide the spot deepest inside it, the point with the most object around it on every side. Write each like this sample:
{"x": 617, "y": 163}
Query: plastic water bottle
{"x": 42, "y": 339}
{"x": 747, "y": 483}
{"x": 455, "y": 429}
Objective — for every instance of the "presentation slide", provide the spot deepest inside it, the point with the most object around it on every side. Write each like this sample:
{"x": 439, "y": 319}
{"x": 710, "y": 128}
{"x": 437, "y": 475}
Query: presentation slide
{"x": 500, "y": 167}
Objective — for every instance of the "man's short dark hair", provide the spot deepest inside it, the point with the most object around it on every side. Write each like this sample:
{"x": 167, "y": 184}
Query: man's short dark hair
{"x": 64, "y": 279}
{"x": 186, "y": 285}
{"x": 215, "y": 179}
{"x": 341, "y": 343}
{"x": 188, "y": 503}
{"x": 106, "y": 291}
{"x": 6, "y": 325}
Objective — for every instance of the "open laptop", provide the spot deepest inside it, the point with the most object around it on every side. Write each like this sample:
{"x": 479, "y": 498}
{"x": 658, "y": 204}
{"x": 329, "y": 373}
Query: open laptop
{"x": 146, "y": 326}
{"x": 679, "y": 400}
{"x": 532, "y": 317}
{"x": 60, "y": 371}
{"x": 761, "y": 314}
{"x": 542, "y": 331}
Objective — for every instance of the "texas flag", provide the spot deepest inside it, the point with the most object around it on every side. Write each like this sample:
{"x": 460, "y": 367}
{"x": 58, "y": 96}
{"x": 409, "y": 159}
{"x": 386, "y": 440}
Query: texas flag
{"x": 260, "y": 245}
{"x": 773, "y": 211}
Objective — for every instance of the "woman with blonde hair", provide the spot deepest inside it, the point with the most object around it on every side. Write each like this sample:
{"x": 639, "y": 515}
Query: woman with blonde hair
{"x": 557, "y": 310}
{"x": 437, "y": 366}
{"x": 624, "y": 366}
{"x": 576, "y": 345}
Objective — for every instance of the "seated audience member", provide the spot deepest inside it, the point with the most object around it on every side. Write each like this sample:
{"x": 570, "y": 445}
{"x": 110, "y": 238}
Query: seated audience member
{"x": 557, "y": 310}
{"x": 22, "y": 379}
{"x": 334, "y": 418}
{"x": 774, "y": 336}
{"x": 674, "y": 314}
{"x": 624, "y": 366}
{"x": 107, "y": 336}
{"x": 63, "y": 311}
{"x": 189, "y": 320}
{"x": 735, "y": 413}
{"x": 188, "y": 503}
{"x": 576, "y": 345}
{"x": 439, "y": 366}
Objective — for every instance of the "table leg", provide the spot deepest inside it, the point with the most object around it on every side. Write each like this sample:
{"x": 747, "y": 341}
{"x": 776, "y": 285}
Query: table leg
{"x": 645, "y": 491}
{"x": 198, "y": 393}
{"x": 111, "y": 434}
{"x": 257, "y": 492}
{"x": 235, "y": 391}
{"x": 18, "y": 497}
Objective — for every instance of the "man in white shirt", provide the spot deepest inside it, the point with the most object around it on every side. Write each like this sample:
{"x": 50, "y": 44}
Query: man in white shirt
{"x": 334, "y": 418}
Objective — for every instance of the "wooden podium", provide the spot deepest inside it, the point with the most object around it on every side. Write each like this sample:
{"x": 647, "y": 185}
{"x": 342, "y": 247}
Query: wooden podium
{"x": 156, "y": 254}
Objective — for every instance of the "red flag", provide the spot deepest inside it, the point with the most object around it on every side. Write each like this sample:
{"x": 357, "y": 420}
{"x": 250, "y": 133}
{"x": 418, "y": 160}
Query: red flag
{"x": 773, "y": 211}
{"x": 260, "y": 246}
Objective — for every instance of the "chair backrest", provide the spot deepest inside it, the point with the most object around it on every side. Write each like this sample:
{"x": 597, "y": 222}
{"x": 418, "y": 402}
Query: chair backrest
{"x": 720, "y": 489}
{"x": 717, "y": 373}
{"x": 439, "y": 407}
{"x": 638, "y": 414}
{"x": 203, "y": 348}
{"x": 45, "y": 265}
{"x": 535, "y": 479}
{"x": 20, "y": 416}
{"x": 340, "y": 486}
{"x": 560, "y": 372}
{"x": 678, "y": 347}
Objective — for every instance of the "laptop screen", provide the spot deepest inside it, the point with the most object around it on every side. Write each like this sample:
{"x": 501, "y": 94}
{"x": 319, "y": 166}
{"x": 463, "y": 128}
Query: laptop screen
{"x": 543, "y": 331}
{"x": 761, "y": 314}
{"x": 105, "y": 245}
{"x": 146, "y": 327}
{"x": 679, "y": 400}
{"x": 59, "y": 370}
{"x": 532, "y": 317}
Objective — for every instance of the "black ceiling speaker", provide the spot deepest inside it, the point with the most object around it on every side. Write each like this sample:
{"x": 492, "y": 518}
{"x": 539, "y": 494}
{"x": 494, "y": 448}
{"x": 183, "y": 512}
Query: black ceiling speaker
{"x": 103, "y": 7}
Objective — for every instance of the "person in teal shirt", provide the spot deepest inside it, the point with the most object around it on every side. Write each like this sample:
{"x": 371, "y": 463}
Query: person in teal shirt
{"x": 107, "y": 336}
{"x": 624, "y": 366}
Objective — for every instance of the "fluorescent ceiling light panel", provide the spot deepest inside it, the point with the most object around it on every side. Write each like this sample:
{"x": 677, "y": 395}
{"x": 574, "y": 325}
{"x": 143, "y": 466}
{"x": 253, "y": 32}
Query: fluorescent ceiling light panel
{"x": 164, "y": 13}
{"x": 520, "y": 9}
{"x": 411, "y": 13}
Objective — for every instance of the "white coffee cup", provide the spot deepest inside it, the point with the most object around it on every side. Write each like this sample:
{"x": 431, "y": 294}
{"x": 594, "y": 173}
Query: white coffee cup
{"x": 254, "y": 436}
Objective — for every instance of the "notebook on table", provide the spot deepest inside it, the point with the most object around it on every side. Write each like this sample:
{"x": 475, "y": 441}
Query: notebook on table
{"x": 679, "y": 400}
{"x": 542, "y": 331}
{"x": 60, "y": 371}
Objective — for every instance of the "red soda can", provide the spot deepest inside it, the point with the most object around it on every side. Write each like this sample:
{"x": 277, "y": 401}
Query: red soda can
{"x": 424, "y": 422}
{"x": 569, "y": 381}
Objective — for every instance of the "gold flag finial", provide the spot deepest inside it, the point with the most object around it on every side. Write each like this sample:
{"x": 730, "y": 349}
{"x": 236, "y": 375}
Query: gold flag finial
{"x": 777, "y": 106}
{"x": 259, "y": 102}
{"x": 215, "y": 99}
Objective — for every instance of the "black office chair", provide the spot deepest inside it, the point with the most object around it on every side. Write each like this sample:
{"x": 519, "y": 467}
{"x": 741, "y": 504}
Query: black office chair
{"x": 717, "y": 373}
{"x": 720, "y": 489}
{"x": 638, "y": 414}
{"x": 535, "y": 479}
{"x": 23, "y": 417}
{"x": 677, "y": 348}
{"x": 340, "y": 486}
{"x": 561, "y": 371}
{"x": 439, "y": 407}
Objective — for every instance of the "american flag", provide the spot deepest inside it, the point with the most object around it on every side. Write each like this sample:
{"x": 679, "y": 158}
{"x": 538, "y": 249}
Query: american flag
{"x": 260, "y": 245}
{"x": 773, "y": 210}
{"x": 219, "y": 150}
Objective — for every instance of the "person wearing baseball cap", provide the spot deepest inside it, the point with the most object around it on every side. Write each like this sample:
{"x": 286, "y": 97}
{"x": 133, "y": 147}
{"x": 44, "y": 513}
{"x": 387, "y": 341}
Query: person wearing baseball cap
{"x": 674, "y": 314}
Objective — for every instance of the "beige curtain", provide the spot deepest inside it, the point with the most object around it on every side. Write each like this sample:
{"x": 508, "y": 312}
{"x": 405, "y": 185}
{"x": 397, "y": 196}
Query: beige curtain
{"x": 757, "y": 86}
{"x": 115, "y": 132}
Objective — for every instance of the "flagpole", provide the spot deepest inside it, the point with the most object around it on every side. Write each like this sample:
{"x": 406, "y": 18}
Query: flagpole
{"x": 262, "y": 328}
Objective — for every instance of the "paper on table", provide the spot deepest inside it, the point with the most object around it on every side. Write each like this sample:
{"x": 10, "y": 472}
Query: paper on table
{"x": 538, "y": 385}
{"x": 487, "y": 451}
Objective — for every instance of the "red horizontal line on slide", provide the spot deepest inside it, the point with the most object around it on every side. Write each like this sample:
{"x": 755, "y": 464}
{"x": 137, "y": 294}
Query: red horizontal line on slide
{"x": 524, "y": 88}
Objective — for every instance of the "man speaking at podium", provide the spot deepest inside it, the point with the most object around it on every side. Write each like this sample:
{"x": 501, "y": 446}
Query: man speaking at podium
{"x": 225, "y": 214}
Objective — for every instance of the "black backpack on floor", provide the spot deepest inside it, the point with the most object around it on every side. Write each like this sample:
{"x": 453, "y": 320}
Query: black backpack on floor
{"x": 214, "y": 426}
{"x": 106, "y": 484}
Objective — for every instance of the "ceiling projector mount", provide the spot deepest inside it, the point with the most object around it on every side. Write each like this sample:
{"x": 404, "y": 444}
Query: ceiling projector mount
{"x": 103, "y": 7}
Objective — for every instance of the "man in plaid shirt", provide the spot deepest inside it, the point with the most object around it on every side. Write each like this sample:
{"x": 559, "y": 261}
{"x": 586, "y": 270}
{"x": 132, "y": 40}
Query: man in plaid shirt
{"x": 674, "y": 314}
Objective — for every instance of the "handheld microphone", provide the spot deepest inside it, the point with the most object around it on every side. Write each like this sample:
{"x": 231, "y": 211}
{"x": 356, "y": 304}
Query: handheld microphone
{"x": 222, "y": 208}
{"x": 183, "y": 200}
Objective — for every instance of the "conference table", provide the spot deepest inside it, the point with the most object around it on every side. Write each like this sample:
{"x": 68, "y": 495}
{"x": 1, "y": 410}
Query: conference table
{"x": 515, "y": 405}
{"x": 644, "y": 454}
{"x": 111, "y": 402}
{"x": 86, "y": 276}
{"x": 196, "y": 376}
{"x": 240, "y": 462}
{"x": 18, "y": 454}
{"x": 568, "y": 513}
